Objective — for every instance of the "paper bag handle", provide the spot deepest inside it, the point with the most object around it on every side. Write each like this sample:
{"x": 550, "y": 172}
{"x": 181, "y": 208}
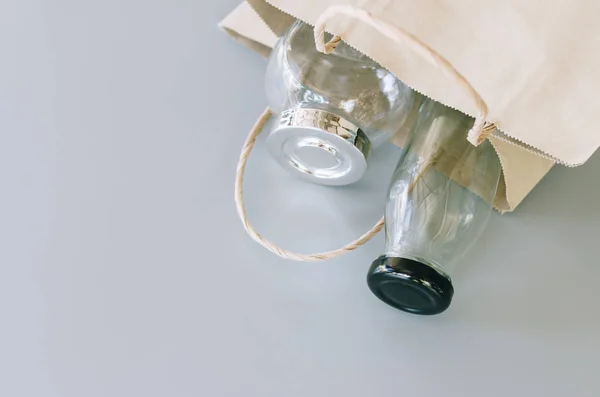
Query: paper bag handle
{"x": 477, "y": 134}
{"x": 271, "y": 246}
{"x": 480, "y": 130}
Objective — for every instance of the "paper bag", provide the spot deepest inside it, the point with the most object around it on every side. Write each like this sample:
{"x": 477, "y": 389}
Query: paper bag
{"x": 522, "y": 169}
{"x": 245, "y": 26}
{"x": 535, "y": 64}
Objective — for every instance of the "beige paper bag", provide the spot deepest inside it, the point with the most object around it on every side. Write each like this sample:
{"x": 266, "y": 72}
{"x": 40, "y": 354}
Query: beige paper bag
{"x": 245, "y": 26}
{"x": 535, "y": 64}
{"x": 522, "y": 169}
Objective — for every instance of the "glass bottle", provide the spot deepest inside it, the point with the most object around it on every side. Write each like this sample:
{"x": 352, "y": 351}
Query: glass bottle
{"x": 332, "y": 109}
{"x": 438, "y": 204}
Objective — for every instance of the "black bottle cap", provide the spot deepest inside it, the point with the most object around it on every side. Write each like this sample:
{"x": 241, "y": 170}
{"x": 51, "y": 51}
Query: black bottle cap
{"x": 409, "y": 285}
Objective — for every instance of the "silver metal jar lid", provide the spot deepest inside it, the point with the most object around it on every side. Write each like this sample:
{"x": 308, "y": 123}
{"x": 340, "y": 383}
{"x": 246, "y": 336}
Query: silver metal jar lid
{"x": 319, "y": 146}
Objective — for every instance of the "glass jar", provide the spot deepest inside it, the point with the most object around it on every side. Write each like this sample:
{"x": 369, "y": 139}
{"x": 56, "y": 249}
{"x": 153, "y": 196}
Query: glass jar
{"x": 332, "y": 109}
{"x": 438, "y": 204}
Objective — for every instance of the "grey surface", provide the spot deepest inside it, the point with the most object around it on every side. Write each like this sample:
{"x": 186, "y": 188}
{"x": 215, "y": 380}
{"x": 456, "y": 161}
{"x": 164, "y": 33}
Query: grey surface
{"x": 124, "y": 270}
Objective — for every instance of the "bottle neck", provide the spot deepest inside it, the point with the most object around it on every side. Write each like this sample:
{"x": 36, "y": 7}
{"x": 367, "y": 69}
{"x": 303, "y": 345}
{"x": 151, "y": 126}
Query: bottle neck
{"x": 407, "y": 253}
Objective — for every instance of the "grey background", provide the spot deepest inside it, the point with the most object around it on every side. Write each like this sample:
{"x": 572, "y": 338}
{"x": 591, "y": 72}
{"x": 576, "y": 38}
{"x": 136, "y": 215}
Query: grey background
{"x": 124, "y": 270}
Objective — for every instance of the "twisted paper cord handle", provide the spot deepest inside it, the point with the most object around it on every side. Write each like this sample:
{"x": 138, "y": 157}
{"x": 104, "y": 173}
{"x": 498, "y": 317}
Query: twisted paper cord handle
{"x": 480, "y": 130}
{"x": 271, "y": 246}
{"x": 478, "y": 133}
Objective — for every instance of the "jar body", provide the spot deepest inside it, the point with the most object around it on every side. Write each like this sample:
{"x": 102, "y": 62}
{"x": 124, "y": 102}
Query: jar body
{"x": 343, "y": 93}
{"x": 438, "y": 204}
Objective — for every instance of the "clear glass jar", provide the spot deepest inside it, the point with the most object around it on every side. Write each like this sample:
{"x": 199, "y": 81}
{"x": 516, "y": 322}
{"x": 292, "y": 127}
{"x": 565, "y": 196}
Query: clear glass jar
{"x": 438, "y": 204}
{"x": 332, "y": 109}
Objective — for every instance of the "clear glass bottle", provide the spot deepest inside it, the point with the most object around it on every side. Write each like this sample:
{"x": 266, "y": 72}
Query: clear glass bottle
{"x": 332, "y": 109}
{"x": 438, "y": 204}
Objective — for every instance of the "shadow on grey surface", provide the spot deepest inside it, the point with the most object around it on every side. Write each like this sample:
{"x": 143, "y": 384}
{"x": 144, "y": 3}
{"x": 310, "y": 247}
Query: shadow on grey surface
{"x": 310, "y": 217}
{"x": 512, "y": 281}
{"x": 546, "y": 277}
{"x": 565, "y": 192}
